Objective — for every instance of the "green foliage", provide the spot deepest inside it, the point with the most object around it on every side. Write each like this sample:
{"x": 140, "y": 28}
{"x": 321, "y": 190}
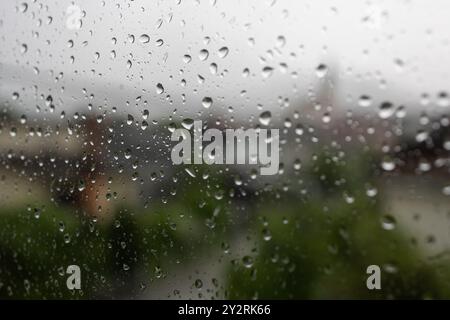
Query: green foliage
{"x": 321, "y": 248}
{"x": 318, "y": 247}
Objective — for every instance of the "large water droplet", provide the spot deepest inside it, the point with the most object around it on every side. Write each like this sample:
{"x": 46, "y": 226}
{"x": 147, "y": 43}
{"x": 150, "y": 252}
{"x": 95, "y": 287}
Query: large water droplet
{"x": 159, "y": 88}
{"x": 247, "y": 261}
{"x": 203, "y": 54}
{"x": 144, "y": 38}
{"x": 265, "y": 118}
{"x": 388, "y": 164}
{"x": 321, "y": 70}
{"x": 207, "y": 102}
{"x": 386, "y": 110}
{"x": 187, "y": 123}
{"x": 421, "y": 136}
{"x": 364, "y": 101}
{"x": 223, "y": 52}
{"x": 267, "y": 72}
{"x": 388, "y": 222}
{"x": 187, "y": 58}
{"x": 23, "y": 7}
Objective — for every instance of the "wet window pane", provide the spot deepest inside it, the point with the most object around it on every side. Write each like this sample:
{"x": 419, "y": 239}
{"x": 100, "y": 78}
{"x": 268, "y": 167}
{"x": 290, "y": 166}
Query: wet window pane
{"x": 224, "y": 149}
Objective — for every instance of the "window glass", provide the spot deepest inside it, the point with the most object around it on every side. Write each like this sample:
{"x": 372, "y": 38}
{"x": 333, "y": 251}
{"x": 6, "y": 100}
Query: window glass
{"x": 224, "y": 149}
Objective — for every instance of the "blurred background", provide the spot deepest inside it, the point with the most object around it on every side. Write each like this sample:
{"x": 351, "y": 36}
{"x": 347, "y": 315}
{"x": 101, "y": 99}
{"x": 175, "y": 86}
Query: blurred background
{"x": 90, "y": 92}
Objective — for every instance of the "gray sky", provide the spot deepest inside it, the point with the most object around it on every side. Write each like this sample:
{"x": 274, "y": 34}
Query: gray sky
{"x": 391, "y": 49}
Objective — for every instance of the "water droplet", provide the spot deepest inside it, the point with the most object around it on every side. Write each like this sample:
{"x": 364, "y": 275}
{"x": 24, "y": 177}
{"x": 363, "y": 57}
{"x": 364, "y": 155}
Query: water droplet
{"x": 421, "y": 136}
{"x": 37, "y": 213}
{"x": 159, "y": 88}
{"x": 386, "y": 110}
{"x": 159, "y": 23}
{"x": 371, "y": 191}
{"x": 144, "y": 125}
{"x": 267, "y": 72}
{"x": 446, "y": 145}
{"x": 326, "y": 118}
{"x": 400, "y": 113}
{"x": 225, "y": 247}
{"x": 213, "y": 68}
{"x": 187, "y": 58}
{"x": 299, "y": 130}
{"x": 247, "y": 261}
{"x": 130, "y": 119}
{"x": 127, "y": 153}
{"x": 321, "y": 70}
{"x": 443, "y": 100}
{"x": 198, "y": 284}
{"x": 187, "y": 123}
{"x": 297, "y": 164}
{"x": 399, "y": 65}
{"x": 388, "y": 222}
{"x": 13, "y": 132}
{"x": 364, "y": 101}
{"x": 158, "y": 272}
{"x": 348, "y": 198}
{"x": 388, "y": 164}
{"x": 265, "y": 118}
{"x": 23, "y": 48}
{"x": 144, "y": 38}
{"x": 207, "y": 102}
{"x": 267, "y": 236}
{"x": 203, "y": 54}
{"x": 190, "y": 172}
{"x": 223, "y": 52}
{"x": 281, "y": 41}
{"x": 81, "y": 185}
{"x": 172, "y": 127}
{"x": 23, "y": 7}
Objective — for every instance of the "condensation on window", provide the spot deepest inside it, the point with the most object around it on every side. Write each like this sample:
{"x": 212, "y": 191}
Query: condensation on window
{"x": 224, "y": 149}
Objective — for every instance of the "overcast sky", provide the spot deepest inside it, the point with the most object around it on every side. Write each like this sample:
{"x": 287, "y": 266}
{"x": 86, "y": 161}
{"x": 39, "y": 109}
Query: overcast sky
{"x": 386, "y": 49}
